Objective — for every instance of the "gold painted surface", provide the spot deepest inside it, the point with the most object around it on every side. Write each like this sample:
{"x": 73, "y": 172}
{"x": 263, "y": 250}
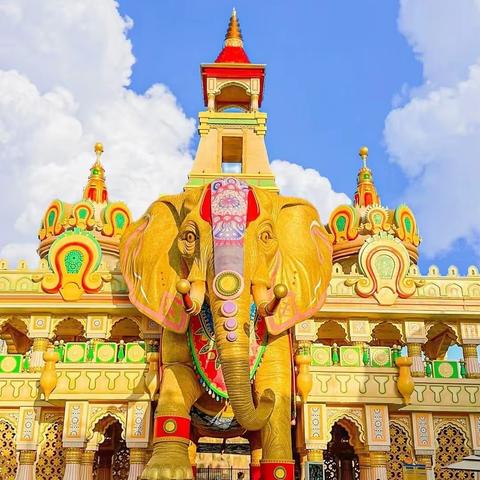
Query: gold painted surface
{"x": 51, "y": 460}
{"x": 8, "y": 458}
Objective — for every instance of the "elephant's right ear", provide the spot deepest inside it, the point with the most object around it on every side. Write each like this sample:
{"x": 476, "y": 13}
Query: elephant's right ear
{"x": 150, "y": 260}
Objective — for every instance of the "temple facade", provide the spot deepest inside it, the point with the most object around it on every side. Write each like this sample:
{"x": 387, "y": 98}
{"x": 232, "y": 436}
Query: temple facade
{"x": 378, "y": 393}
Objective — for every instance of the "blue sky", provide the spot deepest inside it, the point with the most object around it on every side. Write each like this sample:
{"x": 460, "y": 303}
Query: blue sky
{"x": 340, "y": 74}
{"x": 333, "y": 70}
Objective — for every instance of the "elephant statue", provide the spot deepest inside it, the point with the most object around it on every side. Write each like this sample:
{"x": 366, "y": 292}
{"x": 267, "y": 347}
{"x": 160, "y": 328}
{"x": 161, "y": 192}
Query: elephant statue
{"x": 226, "y": 270}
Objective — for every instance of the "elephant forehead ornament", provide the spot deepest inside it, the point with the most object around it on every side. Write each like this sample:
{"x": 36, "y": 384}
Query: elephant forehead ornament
{"x": 229, "y": 205}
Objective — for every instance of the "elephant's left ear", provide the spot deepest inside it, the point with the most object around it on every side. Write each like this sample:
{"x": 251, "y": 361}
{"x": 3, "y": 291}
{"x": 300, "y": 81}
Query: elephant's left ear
{"x": 303, "y": 263}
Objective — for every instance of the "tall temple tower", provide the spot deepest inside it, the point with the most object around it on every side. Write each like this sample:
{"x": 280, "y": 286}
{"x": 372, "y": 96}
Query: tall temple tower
{"x": 232, "y": 130}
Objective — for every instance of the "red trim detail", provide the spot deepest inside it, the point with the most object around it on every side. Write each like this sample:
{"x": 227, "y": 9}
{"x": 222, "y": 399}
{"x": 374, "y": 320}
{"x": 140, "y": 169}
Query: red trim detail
{"x": 273, "y": 470}
{"x": 168, "y": 426}
{"x": 244, "y": 70}
{"x": 253, "y": 210}
{"x": 232, "y": 54}
{"x": 255, "y": 472}
{"x": 206, "y": 208}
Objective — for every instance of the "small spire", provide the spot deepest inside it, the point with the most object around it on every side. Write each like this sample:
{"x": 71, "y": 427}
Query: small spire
{"x": 363, "y": 152}
{"x": 233, "y": 38}
{"x": 366, "y": 193}
{"x": 96, "y": 189}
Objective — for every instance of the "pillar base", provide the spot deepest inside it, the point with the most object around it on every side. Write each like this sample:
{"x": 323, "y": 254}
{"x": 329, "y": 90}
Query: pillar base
{"x": 255, "y": 472}
{"x": 277, "y": 469}
{"x": 25, "y": 469}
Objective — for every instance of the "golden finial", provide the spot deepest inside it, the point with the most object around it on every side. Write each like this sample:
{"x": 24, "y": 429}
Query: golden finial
{"x": 233, "y": 38}
{"x": 98, "y": 148}
{"x": 363, "y": 152}
{"x": 96, "y": 190}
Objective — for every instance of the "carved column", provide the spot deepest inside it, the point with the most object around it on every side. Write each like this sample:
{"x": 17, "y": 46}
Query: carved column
{"x": 73, "y": 459}
{"x": 137, "y": 463}
{"x": 26, "y": 461}
{"x": 254, "y": 102}
{"x": 364, "y": 464}
{"x": 211, "y": 102}
{"x": 378, "y": 465}
{"x": 427, "y": 461}
{"x": 470, "y": 355}
{"x": 315, "y": 456}
{"x": 40, "y": 346}
{"x": 415, "y": 353}
{"x": 86, "y": 465}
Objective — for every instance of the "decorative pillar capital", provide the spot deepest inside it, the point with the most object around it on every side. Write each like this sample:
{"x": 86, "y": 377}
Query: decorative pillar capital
{"x": 88, "y": 457}
{"x": 470, "y": 351}
{"x": 39, "y": 347}
{"x": 425, "y": 460}
{"x": 315, "y": 455}
{"x": 470, "y": 354}
{"x": 414, "y": 351}
{"x": 137, "y": 455}
{"x": 27, "y": 457}
{"x": 73, "y": 455}
{"x": 378, "y": 459}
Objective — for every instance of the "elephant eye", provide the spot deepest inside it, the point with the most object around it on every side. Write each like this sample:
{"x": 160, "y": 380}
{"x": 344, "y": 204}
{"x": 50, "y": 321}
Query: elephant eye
{"x": 265, "y": 236}
{"x": 190, "y": 237}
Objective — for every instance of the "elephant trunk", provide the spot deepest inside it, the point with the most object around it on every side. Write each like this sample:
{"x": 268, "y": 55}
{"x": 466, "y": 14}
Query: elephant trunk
{"x": 233, "y": 348}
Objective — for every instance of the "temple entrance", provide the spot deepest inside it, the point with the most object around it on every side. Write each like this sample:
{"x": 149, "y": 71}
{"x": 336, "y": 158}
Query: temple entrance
{"x": 340, "y": 460}
{"x": 112, "y": 460}
{"x": 223, "y": 459}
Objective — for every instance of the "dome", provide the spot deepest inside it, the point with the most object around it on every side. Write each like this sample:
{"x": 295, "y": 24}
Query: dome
{"x": 77, "y": 237}
{"x": 366, "y": 219}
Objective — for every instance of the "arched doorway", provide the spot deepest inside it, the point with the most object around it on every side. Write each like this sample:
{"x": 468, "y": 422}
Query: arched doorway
{"x": 112, "y": 459}
{"x": 340, "y": 460}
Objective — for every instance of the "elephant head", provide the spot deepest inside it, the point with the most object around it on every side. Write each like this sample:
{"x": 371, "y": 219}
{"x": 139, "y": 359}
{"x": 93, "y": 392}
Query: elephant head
{"x": 233, "y": 243}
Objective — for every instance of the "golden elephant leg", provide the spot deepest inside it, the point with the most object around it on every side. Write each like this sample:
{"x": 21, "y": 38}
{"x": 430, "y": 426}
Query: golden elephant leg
{"x": 178, "y": 392}
{"x": 275, "y": 373}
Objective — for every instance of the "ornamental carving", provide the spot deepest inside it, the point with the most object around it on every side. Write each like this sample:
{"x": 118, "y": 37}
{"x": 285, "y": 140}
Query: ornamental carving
{"x": 8, "y": 454}
{"x": 401, "y": 451}
{"x": 51, "y": 460}
{"x": 343, "y": 224}
{"x": 74, "y": 259}
{"x": 452, "y": 446}
{"x": 384, "y": 263}
{"x": 355, "y": 415}
{"x": 376, "y": 220}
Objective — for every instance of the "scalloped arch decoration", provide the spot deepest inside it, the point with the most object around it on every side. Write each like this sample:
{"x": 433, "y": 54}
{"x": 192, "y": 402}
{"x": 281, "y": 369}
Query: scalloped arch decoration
{"x": 377, "y": 219}
{"x": 53, "y": 220}
{"x": 406, "y": 225}
{"x": 384, "y": 263}
{"x": 83, "y": 215}
{"x": 74, "y": 258}
{"x": 104, "y": 413}
{"x": 346, "y": 415}
{"x": 343, "y": 224}
{"x": 116, "y": 218}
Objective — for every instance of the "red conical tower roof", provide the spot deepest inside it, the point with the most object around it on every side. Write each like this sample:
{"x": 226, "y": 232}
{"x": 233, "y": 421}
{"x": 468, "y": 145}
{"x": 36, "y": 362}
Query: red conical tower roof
{"x": 233, "y": 51}
{"x": 233, "y": 64}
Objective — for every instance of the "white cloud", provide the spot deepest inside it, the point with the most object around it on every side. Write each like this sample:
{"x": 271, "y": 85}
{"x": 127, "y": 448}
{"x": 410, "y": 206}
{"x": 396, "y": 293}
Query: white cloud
{"x": 435, "y": 136}
{"x": 307, "y": 183}
{"x": 65, "y": 71}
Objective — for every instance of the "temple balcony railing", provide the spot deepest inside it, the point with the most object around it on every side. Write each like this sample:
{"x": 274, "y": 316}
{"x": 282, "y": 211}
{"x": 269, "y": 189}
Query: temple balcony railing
{"x": 86, "y": 370}
{"x": 84, "y": 352}
{"x": 77, "y": 381}
{"x": 367, "y": 374}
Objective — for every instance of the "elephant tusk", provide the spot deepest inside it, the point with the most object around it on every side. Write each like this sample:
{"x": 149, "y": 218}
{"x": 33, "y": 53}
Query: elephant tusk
{"x": 192, "y": 305}
{"x": 267, "y": 309}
